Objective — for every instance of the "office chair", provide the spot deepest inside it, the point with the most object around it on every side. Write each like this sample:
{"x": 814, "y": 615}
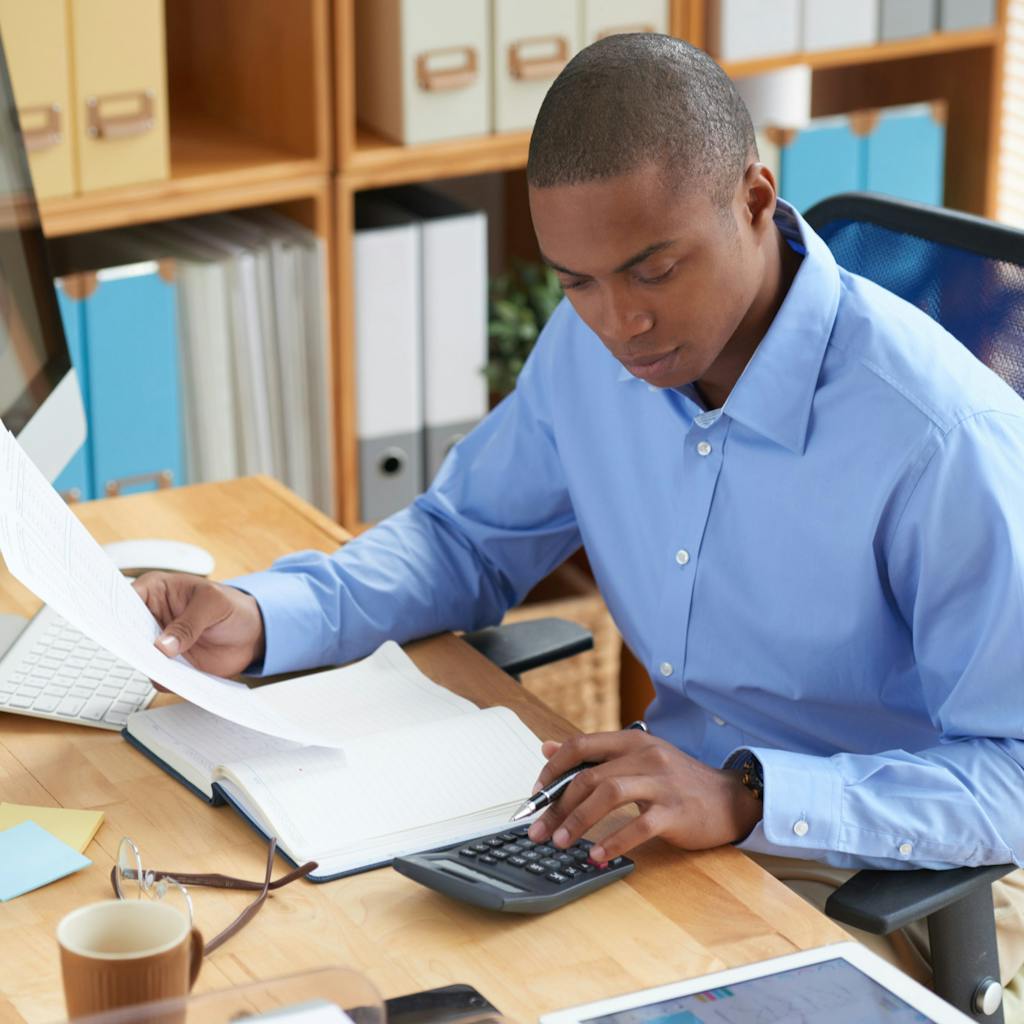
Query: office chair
{"x": 968, "y": 274}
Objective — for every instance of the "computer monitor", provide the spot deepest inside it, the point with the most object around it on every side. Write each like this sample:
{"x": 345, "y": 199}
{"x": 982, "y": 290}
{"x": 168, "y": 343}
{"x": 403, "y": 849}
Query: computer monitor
{"x": 40, "y": 401}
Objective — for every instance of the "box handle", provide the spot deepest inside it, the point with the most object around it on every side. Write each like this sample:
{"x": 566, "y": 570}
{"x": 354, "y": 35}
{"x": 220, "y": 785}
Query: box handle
{"x": 441, "y": 79}
{"x": 619, "y": 30}
{"x": 532, "y": 69}
{"x": 45, "y": 134}
{"x": 120, "y": 126}
{"x": 162, "y": 478}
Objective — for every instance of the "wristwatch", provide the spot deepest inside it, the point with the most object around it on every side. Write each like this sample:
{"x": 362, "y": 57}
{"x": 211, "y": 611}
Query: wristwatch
{"x": 751, "y": 772}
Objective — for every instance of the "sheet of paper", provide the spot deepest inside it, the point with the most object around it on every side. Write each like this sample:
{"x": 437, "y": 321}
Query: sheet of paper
{"x": 48, "y": 550}
{"x": 30, "y": 857}
{"x": 76, "y": 828}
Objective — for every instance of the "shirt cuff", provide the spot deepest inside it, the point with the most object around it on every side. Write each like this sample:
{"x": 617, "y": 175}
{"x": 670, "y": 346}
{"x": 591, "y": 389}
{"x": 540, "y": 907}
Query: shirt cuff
{"x": 290, "y": 614}
{"x": 802, "y": 798}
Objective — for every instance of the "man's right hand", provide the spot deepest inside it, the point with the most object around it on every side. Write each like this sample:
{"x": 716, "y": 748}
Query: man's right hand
{"x": 219, "y": 629}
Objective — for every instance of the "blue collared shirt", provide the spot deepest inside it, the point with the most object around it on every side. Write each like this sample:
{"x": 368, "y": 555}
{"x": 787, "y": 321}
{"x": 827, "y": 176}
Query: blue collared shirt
{"x": 829, "y": 571}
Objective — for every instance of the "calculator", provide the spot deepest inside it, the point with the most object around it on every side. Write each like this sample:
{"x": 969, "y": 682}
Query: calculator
{"x": 506, "y": 871}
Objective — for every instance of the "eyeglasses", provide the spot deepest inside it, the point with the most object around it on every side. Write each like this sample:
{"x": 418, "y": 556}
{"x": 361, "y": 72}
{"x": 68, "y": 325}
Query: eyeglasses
{"x": 131, "y": 881}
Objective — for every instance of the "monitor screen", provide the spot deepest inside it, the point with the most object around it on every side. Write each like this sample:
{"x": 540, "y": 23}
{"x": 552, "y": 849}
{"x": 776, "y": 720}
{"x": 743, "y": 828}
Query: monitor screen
{"x": 33, "y": 353}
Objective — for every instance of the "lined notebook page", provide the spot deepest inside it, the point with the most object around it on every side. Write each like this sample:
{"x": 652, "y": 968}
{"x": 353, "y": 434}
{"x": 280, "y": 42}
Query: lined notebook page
{"x": 437, "y": 778}
{"x": 381, "y": 692}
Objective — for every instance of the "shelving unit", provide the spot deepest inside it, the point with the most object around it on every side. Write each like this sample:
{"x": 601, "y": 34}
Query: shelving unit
{"x": 263, "y": 112}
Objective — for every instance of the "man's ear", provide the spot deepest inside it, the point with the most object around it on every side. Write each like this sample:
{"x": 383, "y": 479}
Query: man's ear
{"x": 759, "y": 195}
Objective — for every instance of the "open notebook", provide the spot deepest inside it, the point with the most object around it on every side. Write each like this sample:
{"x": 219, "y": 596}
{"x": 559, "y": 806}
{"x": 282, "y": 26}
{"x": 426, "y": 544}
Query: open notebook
{"x": 415, "y": 766}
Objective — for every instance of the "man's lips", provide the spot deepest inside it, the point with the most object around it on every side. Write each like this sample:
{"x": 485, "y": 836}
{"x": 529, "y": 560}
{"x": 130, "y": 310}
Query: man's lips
{"x": 648, "y": 362}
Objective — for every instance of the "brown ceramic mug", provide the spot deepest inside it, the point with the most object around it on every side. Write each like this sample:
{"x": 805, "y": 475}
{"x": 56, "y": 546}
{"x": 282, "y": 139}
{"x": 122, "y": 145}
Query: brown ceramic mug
{"x": 121, "y": 952}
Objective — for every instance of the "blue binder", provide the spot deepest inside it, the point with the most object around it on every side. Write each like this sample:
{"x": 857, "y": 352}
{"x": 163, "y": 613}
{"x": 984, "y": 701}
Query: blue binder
{"x": 76, "y": 480}
{"x": 906, "y": 153}
{"x": 821, "y": 160}
{"x": 134, "y": 400}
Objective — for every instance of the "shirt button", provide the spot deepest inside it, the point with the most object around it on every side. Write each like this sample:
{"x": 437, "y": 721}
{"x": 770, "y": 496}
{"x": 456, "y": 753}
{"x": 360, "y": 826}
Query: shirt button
{"x": 906, "y": 849}
{"x": 717, "y": 720}
{"x": 801, "y": 828}
{"x": 665, "y": 668}
{"x": 704, "y": 448}
{"x": 682, "y": 556}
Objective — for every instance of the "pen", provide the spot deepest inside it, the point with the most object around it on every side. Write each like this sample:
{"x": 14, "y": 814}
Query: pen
{"x": 550, "y": 793}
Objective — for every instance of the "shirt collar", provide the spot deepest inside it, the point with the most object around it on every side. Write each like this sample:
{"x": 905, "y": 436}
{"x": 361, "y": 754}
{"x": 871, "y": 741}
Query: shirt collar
{"x": 774, "y": 393}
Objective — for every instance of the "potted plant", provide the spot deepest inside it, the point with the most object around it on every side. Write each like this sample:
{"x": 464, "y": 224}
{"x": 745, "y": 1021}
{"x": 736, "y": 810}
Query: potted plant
{"x": 522, "y": 299}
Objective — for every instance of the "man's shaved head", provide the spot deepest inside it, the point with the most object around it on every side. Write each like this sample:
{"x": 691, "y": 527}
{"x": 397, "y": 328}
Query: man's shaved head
{"x": 633, "y": 100}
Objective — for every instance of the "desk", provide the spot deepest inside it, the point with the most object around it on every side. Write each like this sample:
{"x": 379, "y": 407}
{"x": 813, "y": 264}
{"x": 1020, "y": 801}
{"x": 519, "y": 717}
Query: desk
{"x": 677, "y": 915}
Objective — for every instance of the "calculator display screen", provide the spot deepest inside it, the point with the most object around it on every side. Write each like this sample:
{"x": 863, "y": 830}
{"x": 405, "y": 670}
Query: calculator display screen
{"x": 833, "y": 991}
{"x": 453, "y": 867}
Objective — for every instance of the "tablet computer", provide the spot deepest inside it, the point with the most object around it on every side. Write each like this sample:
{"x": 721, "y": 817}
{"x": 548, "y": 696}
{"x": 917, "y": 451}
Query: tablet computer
{"x": 840, "y": 984}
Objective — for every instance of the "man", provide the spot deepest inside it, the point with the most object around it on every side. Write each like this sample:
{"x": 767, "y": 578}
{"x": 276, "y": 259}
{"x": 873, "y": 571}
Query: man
{"x": 800, "y": 497}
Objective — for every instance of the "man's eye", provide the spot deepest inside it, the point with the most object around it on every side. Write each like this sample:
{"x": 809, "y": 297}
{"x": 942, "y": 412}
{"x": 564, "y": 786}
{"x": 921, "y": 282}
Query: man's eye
{"x": 573, "y": 285}
{"x": 658, "y": 278}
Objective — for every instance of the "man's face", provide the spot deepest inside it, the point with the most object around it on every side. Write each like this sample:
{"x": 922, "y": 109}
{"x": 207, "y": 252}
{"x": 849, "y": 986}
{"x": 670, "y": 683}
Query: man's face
{"x": 662, "y": 276}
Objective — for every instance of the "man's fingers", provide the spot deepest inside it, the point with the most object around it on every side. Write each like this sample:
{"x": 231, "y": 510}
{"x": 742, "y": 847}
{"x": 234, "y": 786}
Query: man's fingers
{"x": 206, "y": 608}
{"x": 639, "y": 830}
{"x": 597, "y": 746}
{"x": 606, "y": 795}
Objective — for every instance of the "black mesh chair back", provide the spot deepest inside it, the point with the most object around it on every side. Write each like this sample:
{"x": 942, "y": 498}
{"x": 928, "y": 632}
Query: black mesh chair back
{"x": 964, "y": 272}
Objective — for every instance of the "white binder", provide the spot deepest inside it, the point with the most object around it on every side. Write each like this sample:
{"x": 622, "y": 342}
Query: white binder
{"x": 388, "y": 357}
{"x": 453, "y": 267}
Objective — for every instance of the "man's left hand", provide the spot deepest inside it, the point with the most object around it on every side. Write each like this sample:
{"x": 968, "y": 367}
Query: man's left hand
{"x": 680, "y": 798}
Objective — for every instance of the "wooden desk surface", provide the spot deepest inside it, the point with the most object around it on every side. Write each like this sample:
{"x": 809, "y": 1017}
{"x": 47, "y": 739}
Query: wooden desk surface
{"x": 677, "y": 915}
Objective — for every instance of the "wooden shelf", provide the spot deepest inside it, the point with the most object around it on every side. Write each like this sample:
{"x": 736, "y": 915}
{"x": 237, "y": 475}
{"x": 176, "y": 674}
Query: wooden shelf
{"x": 212, "y": 169}
{"x": 923, "y": 46}
{"x": 376, "y": 162}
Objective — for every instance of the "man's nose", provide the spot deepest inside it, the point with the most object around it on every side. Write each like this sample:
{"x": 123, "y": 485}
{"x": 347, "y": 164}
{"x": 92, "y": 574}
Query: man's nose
{"x": 622, "y": 321}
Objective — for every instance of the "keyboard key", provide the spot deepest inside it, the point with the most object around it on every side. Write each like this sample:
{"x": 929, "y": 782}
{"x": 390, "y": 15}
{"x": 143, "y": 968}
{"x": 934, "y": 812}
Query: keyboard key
{"x": 20, "y": 701}
{"x": 29, "y": 689}
{"x": 139, "y": 686}
{"x": 46, "y": 702}
{"x": 124, "y": 707}
{"x": 121, "y": 672}
{"x": 93, "y": 673}
{"x": 50, "y": 663}
{"x": 115, "y": 717}
{"x": 107, "y": 690}
{"x": 70, "y": 706}
{"x": 82, "y": 691}
{"x": 95, "y": 709}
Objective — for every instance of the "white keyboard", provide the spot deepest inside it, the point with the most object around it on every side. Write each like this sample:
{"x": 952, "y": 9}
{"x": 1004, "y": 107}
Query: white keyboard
{"x": 54, "y": 671}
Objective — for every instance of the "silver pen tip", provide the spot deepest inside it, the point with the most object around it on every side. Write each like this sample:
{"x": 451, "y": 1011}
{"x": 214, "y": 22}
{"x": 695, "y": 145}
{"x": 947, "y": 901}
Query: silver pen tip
{"x": 524, "y": 812}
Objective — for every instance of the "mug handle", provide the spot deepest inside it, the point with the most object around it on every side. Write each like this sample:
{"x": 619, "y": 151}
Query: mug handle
{"x": 195, "y": 957}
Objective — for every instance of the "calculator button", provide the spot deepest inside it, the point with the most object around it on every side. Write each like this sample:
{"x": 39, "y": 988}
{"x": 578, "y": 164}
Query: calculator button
{"x": 546, "y": 851}
{"x": 569, "y": 872}
{"x": 586, "y": 868}
{"x": 499, "y": 854}
{"x": 495, "y": 841}
{"x": 517, "y": 861}
{"x": 555, "y": 876}
{"x": 617, "y": 862}
{"x": 530, "y": 855}
{"x": 480, "y": 847}
{"x": 549, "y": 862}
{"x": 536, "y": 869}
{"x": 565, "y": 858}
{"x": 509, "y": 837}
{"x": 486, "y": 858}
{"x": 579, "y": 855}
{"x": 467, "y": 852}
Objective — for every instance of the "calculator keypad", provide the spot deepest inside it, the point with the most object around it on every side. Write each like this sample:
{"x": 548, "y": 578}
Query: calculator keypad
{"x": 541, "y": 859}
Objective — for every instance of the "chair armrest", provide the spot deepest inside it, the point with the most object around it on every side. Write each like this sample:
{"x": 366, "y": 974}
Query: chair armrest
{"x": 519, "y": 646}
{"x": 882, "y": 901}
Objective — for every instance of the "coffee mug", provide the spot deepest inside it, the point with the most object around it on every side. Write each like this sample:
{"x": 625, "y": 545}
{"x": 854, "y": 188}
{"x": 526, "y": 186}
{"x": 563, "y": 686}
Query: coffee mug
{"x": 121, "y": 952}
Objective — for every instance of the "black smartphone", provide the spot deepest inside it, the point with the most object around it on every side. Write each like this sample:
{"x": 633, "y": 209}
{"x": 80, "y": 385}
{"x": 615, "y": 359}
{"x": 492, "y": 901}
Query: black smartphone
{"x": 441, "y": 1005}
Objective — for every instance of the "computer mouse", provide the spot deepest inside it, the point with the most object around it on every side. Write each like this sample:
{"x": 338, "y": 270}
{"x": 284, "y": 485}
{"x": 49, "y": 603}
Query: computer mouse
{"x": 134, "y": 557}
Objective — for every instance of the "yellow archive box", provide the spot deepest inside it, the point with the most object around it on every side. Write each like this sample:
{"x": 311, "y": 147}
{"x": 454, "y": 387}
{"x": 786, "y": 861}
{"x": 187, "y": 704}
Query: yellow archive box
{"x": 36, "y": 41}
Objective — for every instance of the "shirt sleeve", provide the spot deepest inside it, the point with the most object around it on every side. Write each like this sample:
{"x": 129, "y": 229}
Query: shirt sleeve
{"x": 955, "y": 564}
{"x": 497, "y": 519}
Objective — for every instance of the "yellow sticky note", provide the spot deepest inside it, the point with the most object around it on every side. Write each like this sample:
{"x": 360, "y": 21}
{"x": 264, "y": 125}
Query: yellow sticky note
{"x": 76, "y": 828}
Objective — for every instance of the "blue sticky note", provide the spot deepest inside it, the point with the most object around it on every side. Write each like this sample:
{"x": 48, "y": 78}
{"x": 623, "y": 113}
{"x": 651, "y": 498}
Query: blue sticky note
{"x": 30, "y": 857}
